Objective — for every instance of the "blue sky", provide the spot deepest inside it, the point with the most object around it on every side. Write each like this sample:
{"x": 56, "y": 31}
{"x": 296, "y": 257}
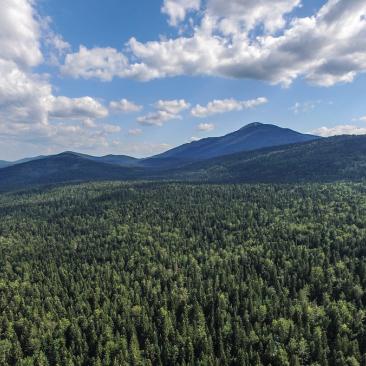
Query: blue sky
{"x": 66, "y": 66}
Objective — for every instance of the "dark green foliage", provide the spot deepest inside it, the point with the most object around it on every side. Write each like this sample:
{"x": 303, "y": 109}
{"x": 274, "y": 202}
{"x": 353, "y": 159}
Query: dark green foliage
{"x": 168, "y": 274}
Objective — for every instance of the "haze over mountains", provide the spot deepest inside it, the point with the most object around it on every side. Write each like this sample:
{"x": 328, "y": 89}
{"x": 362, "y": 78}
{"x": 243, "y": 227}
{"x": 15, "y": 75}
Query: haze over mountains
{"x": 255, "y": 153}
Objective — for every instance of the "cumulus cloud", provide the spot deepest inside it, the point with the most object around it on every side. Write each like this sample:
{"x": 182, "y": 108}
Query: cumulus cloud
{"x": 172, "y": 106}
{"x": 157, "y": 118}
{"x": 30, "y": 115}
{"x": 238, "y": 15}
{"x": 178, "y": 9}
{"x": 102, "y": 63}
{"x": 19, "y": 33}
{"x": 206, "y": 127}
{"x": 165, "y": 110}
{"x": 251, "y": 39}
{"x": 22, "y": 95}
{"x": 124, "y": 106}
{"x": 225, "y": 105}
{"x": 340, "y": 130}
{"x": 76, "y": 108}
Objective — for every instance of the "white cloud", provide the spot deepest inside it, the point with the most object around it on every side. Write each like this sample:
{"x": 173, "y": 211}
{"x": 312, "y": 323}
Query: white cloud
{"x": 206, "y": 127}
{"x": 172, "y": 106}
{"x": 57, "y": 136}
{"x": 194, "y": 138}
{"x": 54, "y": 46}
{"x": 166, "y": 110}
{"x": 340, "y": 130}
{"x": 135, "y": 131}
{"x": 157, "y": 118}
{"x": 109, "y": 128}
{"x": 31, "y": 117}
{"x": 325, "y": 48}
{"x": 89, "y": 123}
{"x": 19, "y": 33}
{"x": 178, "y": 9}
{"x": 22, "y": 95}
{"x": 226, "y": 105}
{"x": 76, "y": 108}
{"x": 238, "y": 15}
{"x": 125, "y": 106}
{"x": 102, "y": 63}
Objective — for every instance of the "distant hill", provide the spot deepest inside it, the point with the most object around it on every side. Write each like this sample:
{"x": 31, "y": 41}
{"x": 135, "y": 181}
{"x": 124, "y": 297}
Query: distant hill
{"x": 325, "y": 160}
{"x": 122, "y": 160}
{"x": 62, "y": 168}
{"x": 250, "y": 137}
{"x": 4, "y": 164}
{"x": 322, "y": 160}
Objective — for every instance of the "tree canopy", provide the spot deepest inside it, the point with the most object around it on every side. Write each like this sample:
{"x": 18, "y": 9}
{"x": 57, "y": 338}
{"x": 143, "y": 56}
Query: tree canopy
{"x": 183, "y": 274}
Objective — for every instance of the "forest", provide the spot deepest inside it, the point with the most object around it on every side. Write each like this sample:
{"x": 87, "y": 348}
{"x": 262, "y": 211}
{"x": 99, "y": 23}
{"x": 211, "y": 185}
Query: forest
{"x": 151, "y": 273}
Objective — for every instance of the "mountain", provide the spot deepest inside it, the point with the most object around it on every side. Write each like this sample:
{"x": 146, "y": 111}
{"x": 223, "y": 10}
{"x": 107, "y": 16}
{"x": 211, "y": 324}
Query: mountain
{"x": 319, "y": 160}
{"x": 325, "y": 160}
{"x": 122, "y": 160}
{"x": 61, "y": 168}
{"x": 250, "y": 137}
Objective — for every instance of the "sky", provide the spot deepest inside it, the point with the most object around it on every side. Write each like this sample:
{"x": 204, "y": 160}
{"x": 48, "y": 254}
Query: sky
{"x": 138, "y": 77}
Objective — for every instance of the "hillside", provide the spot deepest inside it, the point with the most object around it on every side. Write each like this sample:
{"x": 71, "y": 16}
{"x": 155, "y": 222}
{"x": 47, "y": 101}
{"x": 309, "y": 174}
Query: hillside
{"x": 62, "y": 168}
{"x": 331, "y": 159}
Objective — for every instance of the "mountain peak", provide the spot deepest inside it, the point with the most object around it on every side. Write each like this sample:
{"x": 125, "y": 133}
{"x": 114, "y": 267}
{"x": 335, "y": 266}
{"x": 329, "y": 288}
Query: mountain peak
{"x": 253, "y": 124}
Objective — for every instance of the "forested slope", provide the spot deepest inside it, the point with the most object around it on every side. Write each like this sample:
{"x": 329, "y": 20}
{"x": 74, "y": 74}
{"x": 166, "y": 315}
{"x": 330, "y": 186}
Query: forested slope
{"x": 251, "y": 137}
{"x": 168, "y": 274}
{"x": 326, "y": 160}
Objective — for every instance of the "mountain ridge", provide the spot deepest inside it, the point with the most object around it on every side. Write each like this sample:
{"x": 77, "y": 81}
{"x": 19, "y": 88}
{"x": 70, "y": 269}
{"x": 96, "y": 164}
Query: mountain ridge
{"x": 250, "y": 137}
{"x": 320, "y": 159}
{"x": 209, "y": 147}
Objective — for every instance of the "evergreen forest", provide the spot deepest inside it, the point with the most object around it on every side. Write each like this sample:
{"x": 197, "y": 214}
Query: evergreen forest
{"x": 153, "y": 273}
